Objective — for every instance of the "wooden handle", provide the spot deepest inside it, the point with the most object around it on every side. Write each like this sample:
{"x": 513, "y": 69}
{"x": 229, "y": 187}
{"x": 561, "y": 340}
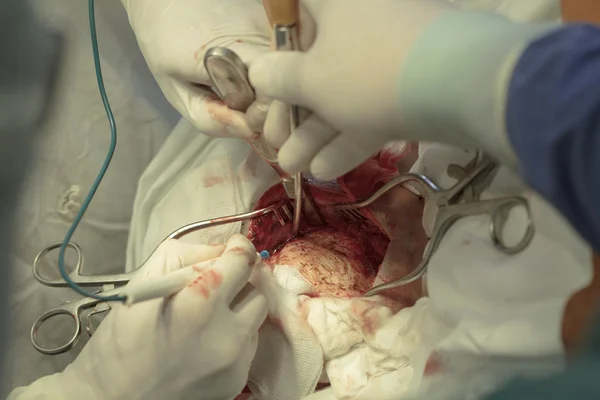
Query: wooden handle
{"x": 581, "y": 11}
{"x": 282, "y": 12}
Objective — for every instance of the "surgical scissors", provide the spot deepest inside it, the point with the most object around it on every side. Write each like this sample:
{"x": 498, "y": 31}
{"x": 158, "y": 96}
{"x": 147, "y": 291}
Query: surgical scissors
{"x": 111, "y": 284}
{"x": 74, "y": 308}
{"x": 443, "y": 207}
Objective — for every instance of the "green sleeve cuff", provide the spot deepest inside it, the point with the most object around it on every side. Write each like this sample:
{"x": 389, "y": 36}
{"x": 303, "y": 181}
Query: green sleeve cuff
{"x": 453, "y": 86}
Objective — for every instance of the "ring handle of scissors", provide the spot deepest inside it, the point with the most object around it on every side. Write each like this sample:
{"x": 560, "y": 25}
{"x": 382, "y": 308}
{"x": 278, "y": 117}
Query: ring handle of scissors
{"x": 498, "y": 220}
{"x": 53, "y": 246}
{"x": 61, "y": 348}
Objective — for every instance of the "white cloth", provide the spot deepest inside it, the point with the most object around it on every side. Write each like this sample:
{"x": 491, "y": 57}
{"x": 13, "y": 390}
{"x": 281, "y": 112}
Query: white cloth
{"x": 289, "y": 359}
{"x": 367, "y": 365}
{"x": 70, "y": 149}
{"x": 493, "y": 315}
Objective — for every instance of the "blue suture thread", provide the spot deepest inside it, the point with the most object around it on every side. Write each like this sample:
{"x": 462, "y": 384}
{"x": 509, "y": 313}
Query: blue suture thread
{"x": 92, "y": 192}
{"x": 264, "y": 254}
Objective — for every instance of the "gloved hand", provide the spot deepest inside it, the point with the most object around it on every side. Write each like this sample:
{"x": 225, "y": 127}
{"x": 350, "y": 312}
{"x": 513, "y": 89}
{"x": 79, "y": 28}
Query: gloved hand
{"x": 197, "y": 344}
{"x": 174, "y": 35}
{"x": 347, "y": 78}
{"x": 384, "y": 70}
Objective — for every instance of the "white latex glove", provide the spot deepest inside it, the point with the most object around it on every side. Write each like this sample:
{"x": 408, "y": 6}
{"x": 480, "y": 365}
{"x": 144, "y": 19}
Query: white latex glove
{"x": 196, "y": 345}
{"x": 384, "y": 70}
{"x": 174, "y": 35}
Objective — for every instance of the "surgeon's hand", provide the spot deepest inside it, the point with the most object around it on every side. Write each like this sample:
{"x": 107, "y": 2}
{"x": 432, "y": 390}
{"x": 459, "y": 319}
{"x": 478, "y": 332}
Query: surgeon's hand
{"x": 348, "y": 77}
{"x": 174, "y": 35}
{"x": 198, "y": 344}
{"x": 384, "y": 70}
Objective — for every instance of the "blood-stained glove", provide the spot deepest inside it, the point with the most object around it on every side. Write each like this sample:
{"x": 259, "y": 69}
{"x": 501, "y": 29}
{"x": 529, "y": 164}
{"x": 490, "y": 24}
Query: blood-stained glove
{"x": 198, "y": 344}
{"x": 174, "y": 36}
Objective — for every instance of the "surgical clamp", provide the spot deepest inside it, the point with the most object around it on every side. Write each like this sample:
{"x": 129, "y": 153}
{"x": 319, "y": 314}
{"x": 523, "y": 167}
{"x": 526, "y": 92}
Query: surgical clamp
{"x": 229, "y": 75}
{"x": 112, "y": 283}
{"x": 443, "y": 207}
{"x": 284, "y": 16}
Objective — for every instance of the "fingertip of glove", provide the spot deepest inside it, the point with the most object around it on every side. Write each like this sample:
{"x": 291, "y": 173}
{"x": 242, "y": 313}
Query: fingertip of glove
{"x": 323, "y": 173}
{"x": 275, "y": 74}
{"x": 256, "y": 115}
{"x": 290, "y": 162}
{"x": 323, "y": 168}
{"x": 258, "y": 71}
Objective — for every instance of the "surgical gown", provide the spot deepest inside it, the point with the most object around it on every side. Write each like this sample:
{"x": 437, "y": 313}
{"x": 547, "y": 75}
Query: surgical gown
{"x": 553, "y": 122}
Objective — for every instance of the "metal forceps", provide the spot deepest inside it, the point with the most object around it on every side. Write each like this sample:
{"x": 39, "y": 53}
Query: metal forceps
{"x": 443, "y": 207}
{"x": 75, "y": 308}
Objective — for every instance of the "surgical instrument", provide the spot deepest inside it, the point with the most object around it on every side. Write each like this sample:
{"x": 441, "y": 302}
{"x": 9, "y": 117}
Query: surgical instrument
{"x": 112, "y": 283}
{"x": 284, "y": 16}
{"x": 352, "y": 211}
{"x": 229, "y": 76}
{"x": 443, "y": 207}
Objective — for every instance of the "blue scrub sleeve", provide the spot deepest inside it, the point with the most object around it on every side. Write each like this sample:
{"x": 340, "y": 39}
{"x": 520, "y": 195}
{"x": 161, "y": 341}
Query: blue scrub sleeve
{"x": 553, "y": 123}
